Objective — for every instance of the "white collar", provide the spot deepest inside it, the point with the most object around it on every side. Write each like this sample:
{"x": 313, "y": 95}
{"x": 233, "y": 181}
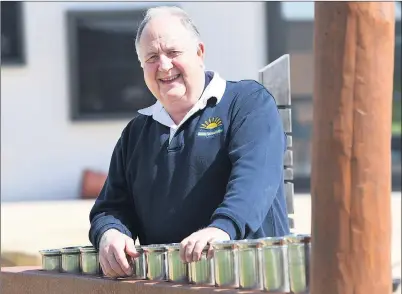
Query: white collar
{"x": 216, "y": 88}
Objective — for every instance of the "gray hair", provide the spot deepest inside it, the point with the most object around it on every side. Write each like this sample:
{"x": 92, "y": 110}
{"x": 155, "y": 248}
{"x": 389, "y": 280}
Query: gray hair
{"x": 167, "y": 10}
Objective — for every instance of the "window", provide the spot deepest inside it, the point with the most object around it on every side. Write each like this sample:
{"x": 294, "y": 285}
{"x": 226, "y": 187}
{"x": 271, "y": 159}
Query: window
{"x": 106, "y": 78}
{"x": 291, "y": 30}
{"x": 12, "y": 45}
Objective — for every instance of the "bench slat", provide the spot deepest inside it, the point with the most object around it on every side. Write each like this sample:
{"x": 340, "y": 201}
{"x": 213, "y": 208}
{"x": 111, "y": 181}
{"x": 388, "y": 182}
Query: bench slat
{"x": 291, "y": 222}
{"x": 288, "y": 174}
{"x": 276, "y": 79}
{"x": 289, "y": 194}
{"x": 288, "y": 158}
{"x": 289, "y": 141}
{"x": 286, "y": 116}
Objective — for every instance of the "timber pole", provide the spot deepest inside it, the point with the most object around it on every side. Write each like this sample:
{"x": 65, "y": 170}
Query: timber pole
{"x": 351, "y": 153}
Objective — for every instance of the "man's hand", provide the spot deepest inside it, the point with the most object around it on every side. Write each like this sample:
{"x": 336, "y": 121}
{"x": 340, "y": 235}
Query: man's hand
{"x": 192, "y": 246}
{"x": 113, "y": 248}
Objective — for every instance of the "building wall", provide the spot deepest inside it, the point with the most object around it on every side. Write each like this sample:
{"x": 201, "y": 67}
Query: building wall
{"x": 42, "y": 152}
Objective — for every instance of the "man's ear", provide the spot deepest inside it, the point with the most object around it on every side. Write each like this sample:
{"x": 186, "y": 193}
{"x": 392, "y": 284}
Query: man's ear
{"x": 201, "y": 50}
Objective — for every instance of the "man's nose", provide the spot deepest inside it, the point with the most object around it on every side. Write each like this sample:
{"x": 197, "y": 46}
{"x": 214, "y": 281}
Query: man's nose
{"x": 165, "y": 63}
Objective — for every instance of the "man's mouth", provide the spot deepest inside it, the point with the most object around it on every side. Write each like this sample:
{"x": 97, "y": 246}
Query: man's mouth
{"x": 168, "y": 80}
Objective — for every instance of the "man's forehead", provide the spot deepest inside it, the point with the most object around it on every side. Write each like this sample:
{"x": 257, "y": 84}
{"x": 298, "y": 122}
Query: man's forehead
{"x": 152, "y": 42}
{"x": 166, "y": 29}
{"x": 165, "y": 41}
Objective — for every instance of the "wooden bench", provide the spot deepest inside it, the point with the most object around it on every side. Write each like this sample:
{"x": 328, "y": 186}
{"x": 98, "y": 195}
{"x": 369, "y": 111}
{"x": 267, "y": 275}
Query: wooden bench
{"x": 276, "y": 79}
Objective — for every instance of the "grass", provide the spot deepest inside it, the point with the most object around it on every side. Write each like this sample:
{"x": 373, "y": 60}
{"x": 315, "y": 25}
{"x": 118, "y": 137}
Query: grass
{"x": 396, "y": 128}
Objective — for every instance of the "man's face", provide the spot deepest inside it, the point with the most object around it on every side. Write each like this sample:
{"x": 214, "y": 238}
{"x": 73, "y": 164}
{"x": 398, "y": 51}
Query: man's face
{"x": 172, "y": 61}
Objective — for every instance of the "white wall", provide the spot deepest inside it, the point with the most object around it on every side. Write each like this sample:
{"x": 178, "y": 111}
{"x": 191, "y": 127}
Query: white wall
{"x": 42, "y": 152}
{"x": 300, "y": 10}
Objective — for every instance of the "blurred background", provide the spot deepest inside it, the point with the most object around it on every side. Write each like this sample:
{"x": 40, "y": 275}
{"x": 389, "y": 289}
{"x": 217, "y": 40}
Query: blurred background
{"x": 71, "y": 81}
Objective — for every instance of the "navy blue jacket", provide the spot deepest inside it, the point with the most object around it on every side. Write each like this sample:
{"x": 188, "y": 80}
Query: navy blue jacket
{"x": 223, "y": 167}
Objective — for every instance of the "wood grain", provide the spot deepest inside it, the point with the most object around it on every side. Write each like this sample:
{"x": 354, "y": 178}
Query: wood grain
{"x": 351, "y": 160}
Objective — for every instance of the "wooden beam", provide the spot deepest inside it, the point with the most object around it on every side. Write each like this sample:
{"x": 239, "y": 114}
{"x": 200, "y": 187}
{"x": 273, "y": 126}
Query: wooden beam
{"x": 351, "y": 153}
{"x": 32, "y": 280}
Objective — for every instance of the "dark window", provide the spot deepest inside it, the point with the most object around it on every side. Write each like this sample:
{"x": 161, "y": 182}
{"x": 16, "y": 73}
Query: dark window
{"x": 106, "y": 77}
{"x": 12, "y": 46}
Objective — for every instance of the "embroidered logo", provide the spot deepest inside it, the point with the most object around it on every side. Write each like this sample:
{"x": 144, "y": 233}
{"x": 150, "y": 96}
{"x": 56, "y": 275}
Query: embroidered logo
{"x": 211, "y": 127}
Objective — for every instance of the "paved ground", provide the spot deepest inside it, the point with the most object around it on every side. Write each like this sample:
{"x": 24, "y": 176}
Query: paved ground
{"x": 28, "y": 227}
{"x": 303, "y": 223}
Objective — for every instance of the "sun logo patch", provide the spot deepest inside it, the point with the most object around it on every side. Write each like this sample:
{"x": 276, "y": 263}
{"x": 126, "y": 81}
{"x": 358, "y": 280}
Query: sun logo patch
{"x": 210, "y": 127}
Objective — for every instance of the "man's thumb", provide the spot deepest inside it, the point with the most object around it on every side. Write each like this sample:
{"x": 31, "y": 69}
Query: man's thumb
{"x": 130, "y": 247}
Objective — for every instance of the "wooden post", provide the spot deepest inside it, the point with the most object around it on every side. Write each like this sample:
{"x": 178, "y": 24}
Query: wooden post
{"x": 351, "y": 154}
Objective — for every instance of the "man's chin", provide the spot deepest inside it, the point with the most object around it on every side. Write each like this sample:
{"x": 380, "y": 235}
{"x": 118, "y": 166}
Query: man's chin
{"x": 173, "y": 95}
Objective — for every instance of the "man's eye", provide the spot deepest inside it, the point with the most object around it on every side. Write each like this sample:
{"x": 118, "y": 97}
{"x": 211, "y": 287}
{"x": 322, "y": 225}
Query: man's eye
{"x": 152, "y": 59}
{"x": 174, "y": 53}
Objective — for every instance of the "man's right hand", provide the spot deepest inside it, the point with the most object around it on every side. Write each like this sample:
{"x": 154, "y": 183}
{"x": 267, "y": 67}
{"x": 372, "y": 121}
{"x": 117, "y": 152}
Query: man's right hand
{"x": 113, "y": 248}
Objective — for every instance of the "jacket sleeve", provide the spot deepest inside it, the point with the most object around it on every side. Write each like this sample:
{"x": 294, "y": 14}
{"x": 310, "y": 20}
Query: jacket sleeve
{"x": 114, "y": 208}
{"x": 256, "y": 150}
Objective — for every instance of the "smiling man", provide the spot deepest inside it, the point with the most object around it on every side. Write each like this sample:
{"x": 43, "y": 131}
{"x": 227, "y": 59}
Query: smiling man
{"x": 204, "y": 163}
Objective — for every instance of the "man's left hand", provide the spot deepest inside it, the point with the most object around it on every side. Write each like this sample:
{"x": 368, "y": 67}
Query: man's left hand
{"x": 192, "y": 246}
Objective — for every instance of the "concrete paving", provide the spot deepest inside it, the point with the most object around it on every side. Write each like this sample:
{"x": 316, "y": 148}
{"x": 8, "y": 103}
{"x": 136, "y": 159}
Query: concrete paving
{"x": 27, "y": 227}
{"x": 303, "y": 224}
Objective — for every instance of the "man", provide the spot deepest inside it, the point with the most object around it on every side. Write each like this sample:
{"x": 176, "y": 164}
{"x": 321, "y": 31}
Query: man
{"x": 204, "y": 163}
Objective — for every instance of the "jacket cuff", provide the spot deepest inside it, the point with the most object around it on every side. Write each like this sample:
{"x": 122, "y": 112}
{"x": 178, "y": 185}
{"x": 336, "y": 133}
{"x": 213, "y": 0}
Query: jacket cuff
{"x": 105, "y": 228}
{"x": 227, "y": 225}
